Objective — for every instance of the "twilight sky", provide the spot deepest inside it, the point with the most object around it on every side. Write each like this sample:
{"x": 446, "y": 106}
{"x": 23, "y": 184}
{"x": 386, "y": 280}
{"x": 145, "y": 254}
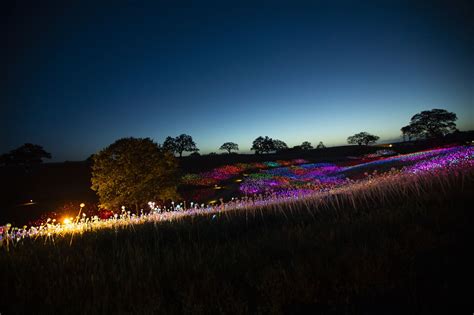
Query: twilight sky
{"x": 79, "y": 77}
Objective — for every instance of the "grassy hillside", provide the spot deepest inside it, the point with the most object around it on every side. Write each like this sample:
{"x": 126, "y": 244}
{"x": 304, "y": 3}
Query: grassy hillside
{"x": 389, "y": 248}
{"x": 53, "y": 185}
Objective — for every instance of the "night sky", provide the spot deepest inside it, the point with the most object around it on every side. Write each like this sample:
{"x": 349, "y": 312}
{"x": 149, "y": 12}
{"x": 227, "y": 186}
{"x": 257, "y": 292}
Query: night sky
{"x": 79, "y": 77}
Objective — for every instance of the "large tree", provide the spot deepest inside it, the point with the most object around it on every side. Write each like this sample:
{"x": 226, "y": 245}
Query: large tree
{"x": 320, "y": 145}
{"x": 263, "y": 145}
{"x": 180, "y": 144}
{"x": 431, "y": 124}
{"x": 133, "y": 171}
{"x": 229, "y": 146}
{"x": 27, "y": 155}
{"x": 362, "y": 138}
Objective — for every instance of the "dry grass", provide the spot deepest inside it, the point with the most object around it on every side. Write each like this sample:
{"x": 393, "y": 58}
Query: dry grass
{"x": 388, "y": 247}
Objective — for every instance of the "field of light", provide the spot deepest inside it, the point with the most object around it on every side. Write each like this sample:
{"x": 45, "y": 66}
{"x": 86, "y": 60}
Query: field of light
{"x": 271, "y": 185}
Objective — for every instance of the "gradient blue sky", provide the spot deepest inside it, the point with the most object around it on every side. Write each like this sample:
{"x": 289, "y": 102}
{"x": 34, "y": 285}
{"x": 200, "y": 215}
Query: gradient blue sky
{"x": 79, "y": 77}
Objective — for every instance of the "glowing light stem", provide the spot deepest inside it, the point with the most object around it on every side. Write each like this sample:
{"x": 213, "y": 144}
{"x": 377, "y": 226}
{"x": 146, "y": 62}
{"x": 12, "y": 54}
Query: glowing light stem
{"x": 77, "y": 220}
{"x": 80, "y": 210}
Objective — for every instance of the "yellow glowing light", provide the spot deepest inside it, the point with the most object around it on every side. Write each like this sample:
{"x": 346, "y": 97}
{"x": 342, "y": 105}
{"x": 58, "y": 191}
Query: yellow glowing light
{"x": 390, "y": 145}
{"x": 82, "y": 205}
{"x": 238, "y": 180}
{"x": 212, "y": 201}
{"x": 217, "y": 187}
{"x": 67, "y": 221}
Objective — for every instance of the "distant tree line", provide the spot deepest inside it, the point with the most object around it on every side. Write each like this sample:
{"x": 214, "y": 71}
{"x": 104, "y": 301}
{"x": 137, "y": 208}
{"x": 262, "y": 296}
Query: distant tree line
{"x": 424, "y": 125}
{"x": 427, "y": 124}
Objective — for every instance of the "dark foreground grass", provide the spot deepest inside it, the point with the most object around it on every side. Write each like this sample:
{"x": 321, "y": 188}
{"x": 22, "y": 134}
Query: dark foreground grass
{"x": 406, "y": 251}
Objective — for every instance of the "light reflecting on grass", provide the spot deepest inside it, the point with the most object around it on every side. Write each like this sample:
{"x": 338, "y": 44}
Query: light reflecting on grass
{"x": 430, "y": 165}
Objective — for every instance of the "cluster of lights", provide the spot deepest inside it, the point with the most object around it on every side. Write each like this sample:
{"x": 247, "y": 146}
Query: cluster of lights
{"x": 380, "y": 153}
{"x": 404, "y": 158}
{"x": 226, "y": 172}
{"x": 325, "y": 176}
{"x": 307, "y": 176}
{"x": 456, "y": 159}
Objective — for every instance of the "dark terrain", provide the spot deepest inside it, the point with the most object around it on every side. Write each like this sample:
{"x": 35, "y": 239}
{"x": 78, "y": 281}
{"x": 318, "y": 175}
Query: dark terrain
{"x": 404, "y": 249}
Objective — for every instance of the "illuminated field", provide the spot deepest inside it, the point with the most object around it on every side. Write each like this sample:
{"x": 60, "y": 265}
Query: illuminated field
{"x": 405, "y": 227}
{"x": 274, "y": 185}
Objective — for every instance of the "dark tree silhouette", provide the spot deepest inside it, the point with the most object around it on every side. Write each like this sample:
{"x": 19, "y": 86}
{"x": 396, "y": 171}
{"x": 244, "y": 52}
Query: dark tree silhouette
{"x": 262, "y": 145}
{"x": 432, "y": 124}
{"x": 408, "y": 133}
{"x": 306, "y": 146}
{"x": 229, "y": 146}
{"x": 362, "y": 138}
{"x": 320, "y": 145}
{"x": 27, "y": 155}
{"x": 132, "y": 171}
{"x": 170, "y": 144}
{"x": 180, "y": 144}
{"x": 279, "y": 145}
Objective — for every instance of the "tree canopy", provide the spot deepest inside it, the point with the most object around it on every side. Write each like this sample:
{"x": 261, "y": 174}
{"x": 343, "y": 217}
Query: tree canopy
{"x": 267, "y": 145}
{"x": 180, "y": 144}
{"x": 306, "y": 145}
{"x": 279, "y": 145}
{"x": 262, "y": 145}
{"x": 132, "y": 171}
{"x": 229, "y": 146}
{"x": 362, "y": 138}
{"x": 408, "y": 132}
{"x": 430, "y": 124}
{"x": 320, "y": 145}
{"x": 26, "y": 155}
{"x": 170, "y": 144}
